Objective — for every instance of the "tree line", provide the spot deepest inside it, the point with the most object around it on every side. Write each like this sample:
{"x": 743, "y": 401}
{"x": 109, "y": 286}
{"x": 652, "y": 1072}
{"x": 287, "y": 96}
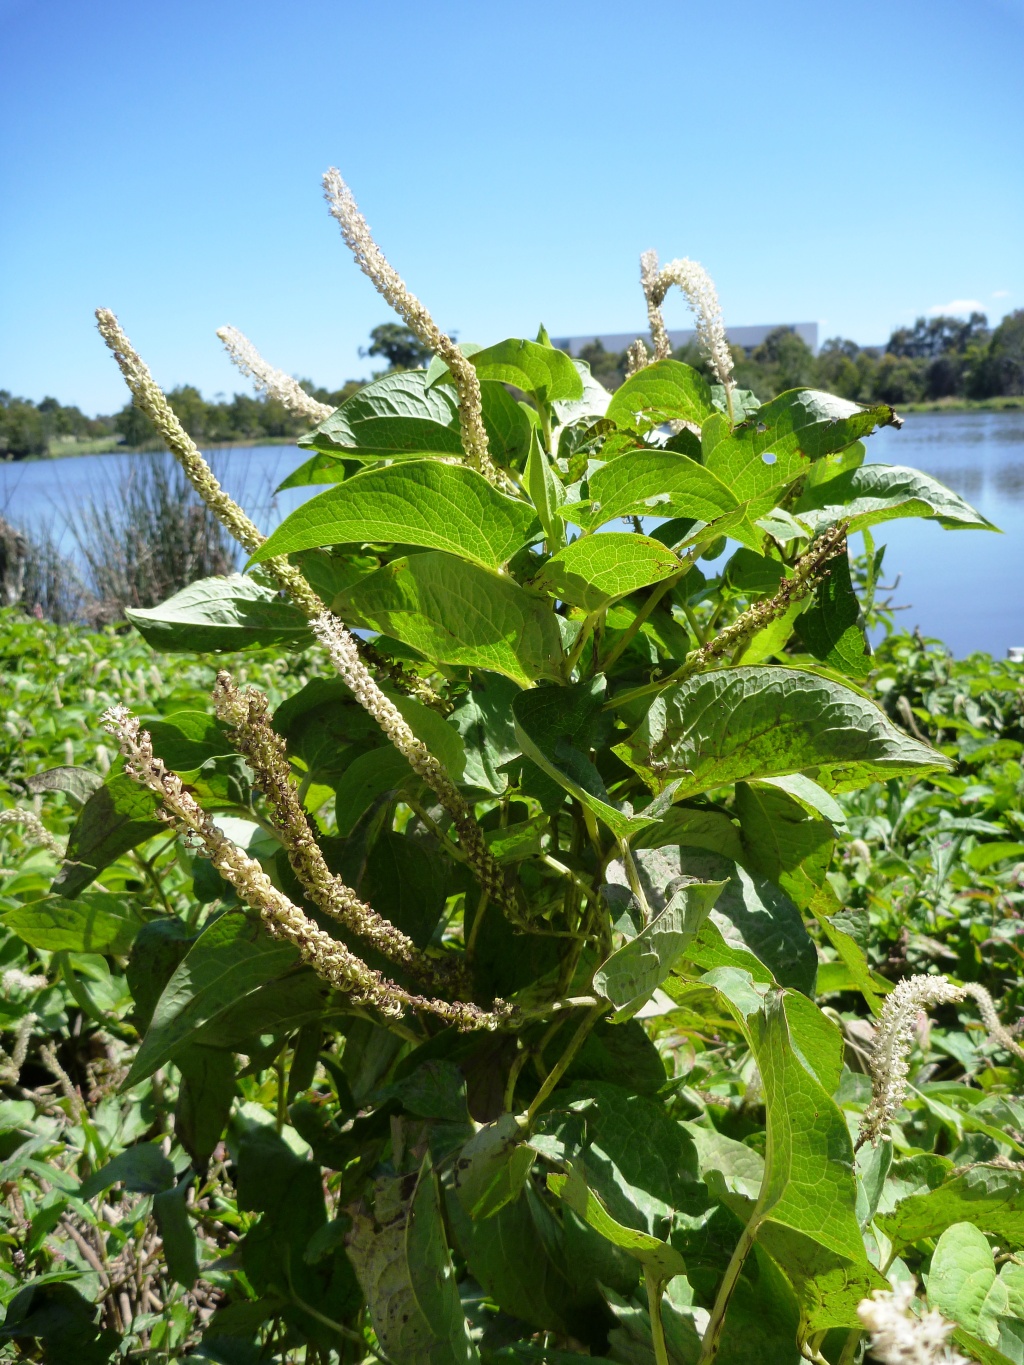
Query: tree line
{"x": 942, "y": 357}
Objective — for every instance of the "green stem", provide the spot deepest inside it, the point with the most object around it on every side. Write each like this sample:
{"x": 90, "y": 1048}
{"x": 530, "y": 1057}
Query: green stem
{"x": 586, "y": 630}
{"x": 712, "y": 1337}
{"x": 475, "y": 930}
{"x": 655, "y": 1289}
{"x": 560, "y": 1067}
{"x": 638, "y": 620}
{"x": 282, "y": 1091}
{"x": 633, "y": 877}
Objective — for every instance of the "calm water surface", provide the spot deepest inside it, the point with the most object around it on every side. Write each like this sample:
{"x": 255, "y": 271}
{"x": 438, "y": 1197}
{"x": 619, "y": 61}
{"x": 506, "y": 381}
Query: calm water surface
{"x": 962, "y": 586}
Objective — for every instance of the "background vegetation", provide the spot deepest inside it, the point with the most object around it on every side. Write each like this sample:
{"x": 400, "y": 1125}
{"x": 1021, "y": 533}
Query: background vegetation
{"x": 936, "y": 359}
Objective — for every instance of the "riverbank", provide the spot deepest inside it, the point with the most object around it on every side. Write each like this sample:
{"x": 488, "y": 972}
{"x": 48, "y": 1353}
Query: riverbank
{"x": 1006, "y": 403}
{"x": 109, "y": 445}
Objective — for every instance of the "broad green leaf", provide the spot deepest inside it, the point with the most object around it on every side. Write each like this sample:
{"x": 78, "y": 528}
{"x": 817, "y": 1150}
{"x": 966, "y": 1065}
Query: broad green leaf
{"x": 663, "y": 392}
{"x": 636, "y": 1157}
{"x": 483, "y": 717}
{"x": 659, "y": 1259}
{"x": 656, "y": 483}
{"x": 509, "y": 429}
{"x": 875, "y": 493}
{"x": 404, "y": 1267}
{"x": 60, "y": 1320}
{"x": 739, "y": 724}
{"x": 830, "y": 627}
{"x": 176, "y": 1233}
{"x": 143, "y": 1169}
{"x": 318, "y": 469}
{"x": 589, "y": 408}
{"x": 777, "y": 443}
{"x": 434, "y": 1089}
{"x": 454, "y": 612}
{"x": 964, "y": 1287}
{"x": 519, "y": 1256}
{"x": 782, "y": 841}
{"x": 230, "y": 960}
{"x": 419, "y": 502}
{"x": 227, "y": 613}
{"x": 117, "y": 817}
{"x": 712, "y": 830}
{"x": 541, "y": 370}
{"x": 205, "y": 1096}
{"x": 809, "y": 1183}
{"x": 96, "y": 922}
{"x": 631, "y": 975}
{"x": 558, "y": 727}
{"x": 764, "y": 919}
{"x": 396, "y": 415}
{"x": 78, "y": 783}
{"x": 595, "y": 570}
{"x": 990, "y": 1197}
{"x": 491, "y": 1169}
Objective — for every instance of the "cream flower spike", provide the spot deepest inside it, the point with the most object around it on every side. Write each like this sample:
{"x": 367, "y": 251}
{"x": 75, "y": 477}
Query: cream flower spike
{"x": 701, "y": 295}
{"x": 898, "y": 1337}
{"x": 274, "y": 383}
{"x": 390, "y": 285}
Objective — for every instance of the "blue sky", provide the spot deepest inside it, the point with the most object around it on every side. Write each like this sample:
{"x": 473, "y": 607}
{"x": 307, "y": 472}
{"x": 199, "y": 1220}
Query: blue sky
{"x": 854, "y": 163}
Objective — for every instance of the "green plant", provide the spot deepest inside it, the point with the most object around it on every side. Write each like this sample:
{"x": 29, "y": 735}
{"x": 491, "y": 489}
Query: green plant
{"x": 476, "y": 979}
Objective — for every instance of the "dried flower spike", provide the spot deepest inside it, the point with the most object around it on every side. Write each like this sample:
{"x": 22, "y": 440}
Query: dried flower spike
{"x": 331, "y": 960}
{"x": 387, "y": 281}
{"x": 898, "y": 1337}
{"x": 340, "y": 645}
{"x": 274, "y": 383}
{"x": 248, "y": 713}
{"x": 150, "y": 398}
{"x": 697, "y": 285}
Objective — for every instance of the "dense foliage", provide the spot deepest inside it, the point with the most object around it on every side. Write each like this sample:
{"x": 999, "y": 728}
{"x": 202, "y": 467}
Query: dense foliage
{"x": 678, "y": 836}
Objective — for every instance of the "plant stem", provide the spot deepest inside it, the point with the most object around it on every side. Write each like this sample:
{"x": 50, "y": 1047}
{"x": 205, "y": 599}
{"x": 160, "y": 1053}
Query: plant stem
{"x": 653, "y": 598}
{"x": 559, "y": 1069}
{"x": 709, "y": 1346}
{"x": 655, "y": 1288}
{"x": 586, "y": 630}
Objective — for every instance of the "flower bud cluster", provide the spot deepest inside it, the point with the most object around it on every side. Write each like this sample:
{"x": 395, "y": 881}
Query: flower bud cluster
{"x": 274, "y": 383}
{"x": 898, "y": 1337}
{"x": 388, "y": 283}
{"x": 701, "y": 295}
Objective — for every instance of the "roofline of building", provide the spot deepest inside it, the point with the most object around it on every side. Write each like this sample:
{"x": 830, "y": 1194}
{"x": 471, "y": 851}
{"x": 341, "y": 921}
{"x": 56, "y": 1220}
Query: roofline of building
{"x": 747, "y": 337}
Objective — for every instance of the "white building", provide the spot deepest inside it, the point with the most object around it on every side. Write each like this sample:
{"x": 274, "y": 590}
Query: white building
{"x": 747, "y": 337}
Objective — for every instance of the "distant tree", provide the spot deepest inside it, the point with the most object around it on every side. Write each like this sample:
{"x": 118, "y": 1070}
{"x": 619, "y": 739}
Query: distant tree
{"x": 785, "y": 361}
{"x": 897, "y": 379}
{"x": 22, "y": 430}
{"x": 1001, "y": 369}
{"x": 400, "y": 347}
{"x": 930, "y": 337}
{"x": 607, "y": 367}
{"x": 134, "y": 427}
{"x": 837, "y": 370}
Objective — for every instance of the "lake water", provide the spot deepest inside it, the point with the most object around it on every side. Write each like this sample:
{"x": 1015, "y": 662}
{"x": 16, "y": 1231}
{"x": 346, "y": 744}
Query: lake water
{"x": 963, "y": 587}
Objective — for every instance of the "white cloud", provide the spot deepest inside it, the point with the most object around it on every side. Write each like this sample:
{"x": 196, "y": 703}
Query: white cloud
{"x": 955, "y": 307}
{"x": 1000, "y": 293}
